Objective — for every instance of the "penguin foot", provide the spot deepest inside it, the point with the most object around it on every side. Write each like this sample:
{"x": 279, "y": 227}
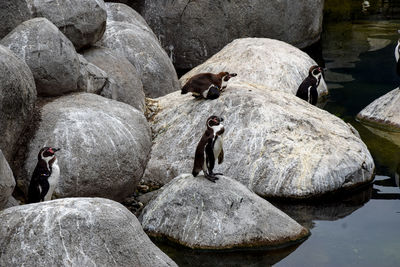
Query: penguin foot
{"x": 211, "y": 177}
{"x": 218, "y": 173}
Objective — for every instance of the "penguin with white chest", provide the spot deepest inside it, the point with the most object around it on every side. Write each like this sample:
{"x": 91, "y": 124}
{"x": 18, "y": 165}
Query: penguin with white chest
{"x": 308, "y": 89}
{"x": 45, "y": 176}
{"x": 210, "y": 149}
{"x": 397, "y": 56}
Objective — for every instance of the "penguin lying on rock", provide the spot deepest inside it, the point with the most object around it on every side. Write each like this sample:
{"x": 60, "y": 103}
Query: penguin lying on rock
{"x": 207, "y": 85}
{"x": 308, "y": 89}
{"x": 210, "y": 149}
{"x": 45, "y": 176}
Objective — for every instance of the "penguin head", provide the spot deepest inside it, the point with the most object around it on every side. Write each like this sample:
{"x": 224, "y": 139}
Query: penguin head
{"x": 47, "y": 153}
{"x": 315, "y": 71}
{"x": 214, "y": 121}
{"x": 226, "y": 75}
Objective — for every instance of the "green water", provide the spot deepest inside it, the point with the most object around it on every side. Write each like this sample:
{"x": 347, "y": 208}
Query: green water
{"x": 360, "y": 228}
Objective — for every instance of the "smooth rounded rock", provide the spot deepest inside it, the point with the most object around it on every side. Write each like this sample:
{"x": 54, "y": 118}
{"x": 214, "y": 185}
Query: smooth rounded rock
{"x": 263, "y": 61}
{"x": 105, "y": 145}
{"x": 75, "y": 232}
{"x": 49, "y": 54}
{"x": 17, "y": 100}
{"x": 82, "y": 21}
{"x": 7, "y": 181}
{"x": 384, "y": 112}
{"x": 143, "y": 51}
{"x": 197, "y": 213}
{"x": 192, "y": 31}
{"x": 124, "y": 83}
{"x": 92, "y": 79}
{"x": 275, "y": 143}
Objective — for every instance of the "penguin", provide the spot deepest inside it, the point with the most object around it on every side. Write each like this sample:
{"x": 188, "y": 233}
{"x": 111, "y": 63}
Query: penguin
{"x": 209, "y": 149}
{"x": 308, "y": 88}
{"x": 45, "y": 176}
{"x": 207, "y": 85}
{"x": 397, "y": 56}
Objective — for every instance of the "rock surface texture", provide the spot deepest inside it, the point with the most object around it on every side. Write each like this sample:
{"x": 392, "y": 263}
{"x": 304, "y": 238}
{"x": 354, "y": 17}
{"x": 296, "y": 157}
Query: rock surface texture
{"x": 17, "y": 99}
{"x": 92, "y": 79}
{"x": 199, "y": 214}
{"x": 134, "y": 40}
{"x": 192, "y": 31}
{"x": 261, "y": 61}
{"x": 124, "y": 83}
{"x": 104, "y": 145}
{"x": 12, "y": 13}
{"x": 384, "y": 112}
{"x": 82, "y": 21}
{"x": 75, "y": 232}
{"x": 49, "y": 54}
{"x": 7, "y": 182}
{"x": 275, "y": 143}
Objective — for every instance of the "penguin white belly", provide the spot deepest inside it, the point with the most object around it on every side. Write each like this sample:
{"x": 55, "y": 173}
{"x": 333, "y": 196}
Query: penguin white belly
{"x": 217, "y": 146}
{"x": 396, "y": 52}
{"x": 53, "y": 180}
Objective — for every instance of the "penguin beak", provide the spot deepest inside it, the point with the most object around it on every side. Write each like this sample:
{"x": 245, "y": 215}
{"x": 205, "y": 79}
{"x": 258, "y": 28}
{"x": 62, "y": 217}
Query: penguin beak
{"x": 221, "y": 119}
{"x": 55, "y": 149}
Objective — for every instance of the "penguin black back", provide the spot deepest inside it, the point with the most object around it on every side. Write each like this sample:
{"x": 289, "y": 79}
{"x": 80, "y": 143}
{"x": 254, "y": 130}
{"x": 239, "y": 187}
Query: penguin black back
{"x": 201, "y": 84}
{"x": 308, "y": 88}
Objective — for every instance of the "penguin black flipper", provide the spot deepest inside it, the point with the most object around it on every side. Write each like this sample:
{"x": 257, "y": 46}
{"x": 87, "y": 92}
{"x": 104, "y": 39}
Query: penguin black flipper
{"x": 199, "y": 154}
{"x": 398, "y": 68}
{"x": 302, "y": 92}
{"x": 210, "y": 159}
{"x": 313, "y": 95}
{"x": 39, "y": 185}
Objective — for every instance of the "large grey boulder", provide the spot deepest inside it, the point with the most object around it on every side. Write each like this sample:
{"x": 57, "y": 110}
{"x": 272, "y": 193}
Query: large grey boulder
{"x": 17, "y": 99}
{"x": 195, "y": 30}
{"x": 261, "y": 61}
{"x": 124, "y": 84}
{"x": 384, "y": 112}
{"x": 48, "y": 53}
{"x": 275, "y": 143}
{"x": 7, "y": 181}
{"x": 104, "y": 144}
{"x": 75, "y": 232}
{"x": 199, "y": 214}
{"x": 82, "y": 21}
{"x": 12, "y": 13}
{"x": 139, "y": 45}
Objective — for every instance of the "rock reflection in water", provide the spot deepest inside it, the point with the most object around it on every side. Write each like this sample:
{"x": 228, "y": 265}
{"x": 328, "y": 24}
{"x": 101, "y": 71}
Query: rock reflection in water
{"x": 249, "y": 258}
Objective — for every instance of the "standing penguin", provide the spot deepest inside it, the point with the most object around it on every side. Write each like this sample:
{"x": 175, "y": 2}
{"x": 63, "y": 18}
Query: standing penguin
{"x": 308, "y": 88}
{"x": 397, "y": 56}
{"x": 207, "y": 85}
{"x": 209, "y": 149}
{"x": 45, "y": 176}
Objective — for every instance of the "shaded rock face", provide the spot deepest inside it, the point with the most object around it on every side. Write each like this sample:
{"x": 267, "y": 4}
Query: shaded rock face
{"x": 139, "y": 45}
{"x": 12, "y": 202}
{"x": 261, "y": 61}
{"x": 12, "y": 13}
{"x": 104, "y": 145}
{"x": 275, "y": 143}
{"x": 82, "y": 21}
{"x": 199, "y": 214}
{"x": 75, "y": 232}
{"x": 195, "y": 30}
{"x": 49, "y": 54}
{"x": 17, "y": 99}
{"x": 92, "y": 79}
{"x": 124, "y": 84}
{"x": 7, "y": 182}
{"x": 384, "y": 112}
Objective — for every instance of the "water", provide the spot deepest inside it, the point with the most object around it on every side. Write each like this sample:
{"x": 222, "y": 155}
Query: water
{"x": 360, "y": 228}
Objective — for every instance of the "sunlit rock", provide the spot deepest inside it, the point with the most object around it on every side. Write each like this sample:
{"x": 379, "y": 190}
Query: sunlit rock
{"x": 75, "y": 232}
{"x": 274, "y": 143}
{"x": 261, "y": 61}
{"x": 104, "y": 144}
{"x": 197, "y": 213}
